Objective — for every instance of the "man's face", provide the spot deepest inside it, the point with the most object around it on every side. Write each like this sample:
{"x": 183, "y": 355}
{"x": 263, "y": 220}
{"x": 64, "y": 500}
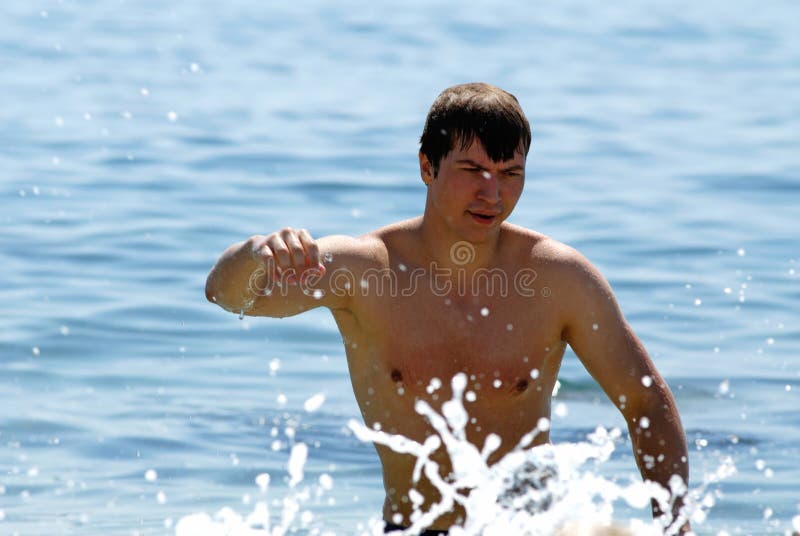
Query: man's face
{"x": 471, "y": 193}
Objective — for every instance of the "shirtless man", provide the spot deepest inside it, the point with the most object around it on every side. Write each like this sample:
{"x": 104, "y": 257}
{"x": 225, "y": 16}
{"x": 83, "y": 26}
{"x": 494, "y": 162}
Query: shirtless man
{"x": 460, "y": 290}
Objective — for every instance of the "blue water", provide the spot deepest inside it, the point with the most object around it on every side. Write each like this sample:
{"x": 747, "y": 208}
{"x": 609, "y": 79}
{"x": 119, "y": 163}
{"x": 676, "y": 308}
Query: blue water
{"x": 139, "y": 139}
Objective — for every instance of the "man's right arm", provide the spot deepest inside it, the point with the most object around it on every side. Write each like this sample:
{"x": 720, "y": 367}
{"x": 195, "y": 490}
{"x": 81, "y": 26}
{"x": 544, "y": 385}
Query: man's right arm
{"x": 282, "y": 274}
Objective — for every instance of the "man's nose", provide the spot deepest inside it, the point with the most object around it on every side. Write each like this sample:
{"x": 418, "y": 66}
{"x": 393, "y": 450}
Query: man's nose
{"x": 489, "y": 189}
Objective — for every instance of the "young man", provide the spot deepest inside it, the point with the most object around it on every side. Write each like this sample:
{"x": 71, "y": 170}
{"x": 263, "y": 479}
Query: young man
{"x": 452, "y": 291}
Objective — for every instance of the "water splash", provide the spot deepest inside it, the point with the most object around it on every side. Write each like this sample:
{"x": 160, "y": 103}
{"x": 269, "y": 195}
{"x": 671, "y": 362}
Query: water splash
{"x": 531, "y": 490}
{"x": 539, "y": 490}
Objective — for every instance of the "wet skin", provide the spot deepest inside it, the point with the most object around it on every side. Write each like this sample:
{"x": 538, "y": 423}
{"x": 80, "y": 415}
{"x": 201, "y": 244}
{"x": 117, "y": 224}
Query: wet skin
{"x": 426, "y": 313}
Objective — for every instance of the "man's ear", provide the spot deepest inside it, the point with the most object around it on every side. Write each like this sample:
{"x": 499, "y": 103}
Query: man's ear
{"x": 425, "y": 169}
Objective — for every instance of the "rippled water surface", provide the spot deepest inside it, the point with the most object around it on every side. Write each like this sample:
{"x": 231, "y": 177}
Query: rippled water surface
{"x": 139, "y": 139}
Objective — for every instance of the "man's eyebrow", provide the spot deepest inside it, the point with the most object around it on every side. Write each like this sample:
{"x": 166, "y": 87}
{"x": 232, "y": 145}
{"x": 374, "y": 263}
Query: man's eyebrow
{"x": 515, "y": 167}
{"x": 470, "y": 162}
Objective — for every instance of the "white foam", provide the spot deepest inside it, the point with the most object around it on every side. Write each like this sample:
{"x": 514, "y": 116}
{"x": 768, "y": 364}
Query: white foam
{"x": 539, "y": 490}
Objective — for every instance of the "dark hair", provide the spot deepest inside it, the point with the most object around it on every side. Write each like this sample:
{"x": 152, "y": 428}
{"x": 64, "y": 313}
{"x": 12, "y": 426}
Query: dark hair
{"x": 463, "y": 113}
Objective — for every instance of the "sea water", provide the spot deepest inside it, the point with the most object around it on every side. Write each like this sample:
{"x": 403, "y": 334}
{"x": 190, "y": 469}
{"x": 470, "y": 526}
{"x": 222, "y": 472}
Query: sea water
{"x": 532, "y": 490}
{"x": 139, "y": 139}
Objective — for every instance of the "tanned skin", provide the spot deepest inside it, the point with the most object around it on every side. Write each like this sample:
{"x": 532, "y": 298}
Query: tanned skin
{"x": 396, "y": 341}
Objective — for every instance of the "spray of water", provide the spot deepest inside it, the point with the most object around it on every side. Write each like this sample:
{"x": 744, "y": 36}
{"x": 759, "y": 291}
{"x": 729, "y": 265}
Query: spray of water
{"x": 540, "y": 490}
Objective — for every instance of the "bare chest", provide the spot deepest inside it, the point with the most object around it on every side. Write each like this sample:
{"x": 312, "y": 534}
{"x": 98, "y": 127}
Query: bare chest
{"x": 496, "y": 340}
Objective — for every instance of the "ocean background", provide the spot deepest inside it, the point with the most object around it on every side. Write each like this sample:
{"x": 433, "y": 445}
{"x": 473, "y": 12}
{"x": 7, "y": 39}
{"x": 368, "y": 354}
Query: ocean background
{"x": 138, "y": 139}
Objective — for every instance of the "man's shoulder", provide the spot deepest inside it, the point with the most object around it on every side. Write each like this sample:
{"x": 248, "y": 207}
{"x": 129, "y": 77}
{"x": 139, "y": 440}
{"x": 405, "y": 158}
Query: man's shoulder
{"x": 538, "y": 248}
{"x": 556, "y": 260}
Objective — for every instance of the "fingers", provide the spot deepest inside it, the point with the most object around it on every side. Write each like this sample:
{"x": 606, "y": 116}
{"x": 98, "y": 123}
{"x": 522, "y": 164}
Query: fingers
{"x": 296, "y": 253}
{"x": 287, "y": 252}
{"x": 311, "y": 249}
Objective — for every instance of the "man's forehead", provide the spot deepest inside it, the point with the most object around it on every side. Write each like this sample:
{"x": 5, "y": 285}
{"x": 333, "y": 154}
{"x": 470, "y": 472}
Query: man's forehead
{"x": 476, "y": 152}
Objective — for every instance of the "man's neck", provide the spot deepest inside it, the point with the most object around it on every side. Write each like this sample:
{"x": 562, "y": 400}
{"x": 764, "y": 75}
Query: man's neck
{"x": 448, "y": 250}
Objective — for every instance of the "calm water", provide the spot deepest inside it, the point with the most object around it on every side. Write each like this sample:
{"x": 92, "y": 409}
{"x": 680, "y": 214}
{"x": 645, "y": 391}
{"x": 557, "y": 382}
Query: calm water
{"x": 137, "y": 141}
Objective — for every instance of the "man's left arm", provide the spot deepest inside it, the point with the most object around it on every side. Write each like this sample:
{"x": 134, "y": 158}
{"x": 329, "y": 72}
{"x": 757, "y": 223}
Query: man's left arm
{"x": 615, "y": 357}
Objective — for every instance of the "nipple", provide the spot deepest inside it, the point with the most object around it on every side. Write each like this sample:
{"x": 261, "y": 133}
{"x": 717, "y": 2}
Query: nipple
{"x": 522, "y": 385}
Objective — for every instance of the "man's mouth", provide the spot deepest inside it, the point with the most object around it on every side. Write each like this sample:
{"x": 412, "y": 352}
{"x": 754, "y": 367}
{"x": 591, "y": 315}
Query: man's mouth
{"x": 483, "y": 217}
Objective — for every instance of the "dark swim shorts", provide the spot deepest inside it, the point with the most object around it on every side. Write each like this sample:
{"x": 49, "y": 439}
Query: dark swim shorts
{"x": 391, "y": 527}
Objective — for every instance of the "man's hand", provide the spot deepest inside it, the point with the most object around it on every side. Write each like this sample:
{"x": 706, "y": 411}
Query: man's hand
{"x": 282, "y": 274}
{"x": 285, "y": 256}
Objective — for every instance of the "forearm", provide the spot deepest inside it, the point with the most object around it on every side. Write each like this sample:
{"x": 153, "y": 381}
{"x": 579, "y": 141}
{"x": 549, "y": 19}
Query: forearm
{"x": 229, "y": 283}
{"x": 659, "y": 445}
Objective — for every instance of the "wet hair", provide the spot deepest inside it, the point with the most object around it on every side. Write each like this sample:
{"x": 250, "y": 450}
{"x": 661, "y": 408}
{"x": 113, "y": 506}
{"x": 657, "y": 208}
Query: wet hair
{"x": 463, "y": 113}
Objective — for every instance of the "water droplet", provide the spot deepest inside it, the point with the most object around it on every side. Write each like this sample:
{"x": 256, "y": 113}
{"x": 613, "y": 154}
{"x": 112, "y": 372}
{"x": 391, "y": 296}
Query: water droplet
{"x": 595, "y": 327}
{"x": 434, "y": 384}
{"x": 724, "y": 387}
{"x": 727, "y": 290}
{"x": 470, "y": 396}
{"x": 326, "y": 481}
{"x": 647, "y": 381}
{"x": 314, "y": 403}
{"x": 195, "y": 68}
{"x": 274, "y": 365}
{"x": 144, "y": 91}
{"x": 497, "y": 384}
{"x": 698, "y": 302}
{"x": 509, "y": 327}
{"x": 543, "y": 424}
{"x": 644, "y": 422}
{"x": 64, "y": 330}
{"x": 262, "y": 481}
{"x": 172, "y": 116}
{"x": 297, "y": 460}
{"x": 161, "y": 497}
{"x": 556, "y": 388}
{"x": 535, "y": 373}
{"x": 741, "y": 252}
{"x": 150, "y": 475}
{"x": 484, "y": 311}
{"x": 35, "y": 350}
{"x": 281, "y": 399}
{"x": 560, "y": 410}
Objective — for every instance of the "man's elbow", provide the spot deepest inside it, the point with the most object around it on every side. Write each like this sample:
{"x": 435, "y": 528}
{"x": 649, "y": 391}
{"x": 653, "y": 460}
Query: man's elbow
{"x": 212, "y": 290}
